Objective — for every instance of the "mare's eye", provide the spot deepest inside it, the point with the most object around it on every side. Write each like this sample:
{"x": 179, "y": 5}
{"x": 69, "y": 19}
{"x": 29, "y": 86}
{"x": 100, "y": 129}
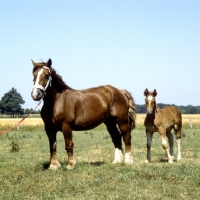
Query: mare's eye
{"x": 47, "y": 76}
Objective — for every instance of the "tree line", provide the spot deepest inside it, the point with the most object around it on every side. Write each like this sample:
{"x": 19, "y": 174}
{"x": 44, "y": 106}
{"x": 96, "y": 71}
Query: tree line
{"x": 189, "y": 109}
{"x": 10, "y": 104}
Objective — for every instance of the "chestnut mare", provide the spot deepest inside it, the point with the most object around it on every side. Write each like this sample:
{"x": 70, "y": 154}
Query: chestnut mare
{"x": 66, "y": 109}
{"x": 162, "y": 121}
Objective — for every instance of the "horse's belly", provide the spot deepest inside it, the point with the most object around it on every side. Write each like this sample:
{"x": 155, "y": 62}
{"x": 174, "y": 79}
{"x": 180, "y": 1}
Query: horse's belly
{"x": 88, "y": 122}
{"x": 84, "y": 127}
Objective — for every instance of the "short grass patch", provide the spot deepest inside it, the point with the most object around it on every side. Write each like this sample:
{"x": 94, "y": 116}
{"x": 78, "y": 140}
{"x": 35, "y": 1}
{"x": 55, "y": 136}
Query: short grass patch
{"x": 24, "y": 174}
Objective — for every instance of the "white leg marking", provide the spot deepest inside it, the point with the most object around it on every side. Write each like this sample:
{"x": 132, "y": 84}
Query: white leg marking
{"x": 71, "y": 164}
{"x": 128, "y": 158}
{"x": 165, "y": 147}
{"x": 119, "y": 156}
{"x": 55, "y": 166}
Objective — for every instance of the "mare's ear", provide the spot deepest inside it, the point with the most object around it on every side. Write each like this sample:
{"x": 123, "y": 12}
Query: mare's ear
{"x": 34, "y": 64}
{"x": 49, "y": 63}
{"x": 146, "y": 92}
{"x": 154, "y": 93}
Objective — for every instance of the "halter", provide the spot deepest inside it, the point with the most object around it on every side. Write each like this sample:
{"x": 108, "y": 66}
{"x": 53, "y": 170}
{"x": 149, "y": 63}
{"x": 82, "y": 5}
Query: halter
{"x": 38, "y": 86}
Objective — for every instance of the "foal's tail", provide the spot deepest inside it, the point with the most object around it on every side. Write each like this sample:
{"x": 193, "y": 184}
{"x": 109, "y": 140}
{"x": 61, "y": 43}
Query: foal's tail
{"x": 131, "y": 110}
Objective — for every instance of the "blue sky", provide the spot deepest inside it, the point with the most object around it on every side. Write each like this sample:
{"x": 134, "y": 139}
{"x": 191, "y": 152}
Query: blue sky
{"x": 129, "y": 44}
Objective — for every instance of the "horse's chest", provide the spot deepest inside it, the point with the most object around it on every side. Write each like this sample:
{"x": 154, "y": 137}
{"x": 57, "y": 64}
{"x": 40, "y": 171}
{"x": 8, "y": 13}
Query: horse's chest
{"x": 151, "y": 127}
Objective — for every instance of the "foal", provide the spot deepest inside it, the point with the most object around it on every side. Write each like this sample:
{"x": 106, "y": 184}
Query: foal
{"x": 162, "y": 121}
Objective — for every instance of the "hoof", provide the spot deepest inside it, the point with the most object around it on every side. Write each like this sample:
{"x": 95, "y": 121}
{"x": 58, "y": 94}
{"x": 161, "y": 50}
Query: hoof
{"x": 70, "y": 167}
{"x": 71, "y": 164}
{"x": 119, "y": 156}
{"x": 171, "y": 159}
{"x": 178, "y": 159}
{"x": 128, "y": 158}
{"x": 146, "y": 161}
{"x": 54, "y": 166}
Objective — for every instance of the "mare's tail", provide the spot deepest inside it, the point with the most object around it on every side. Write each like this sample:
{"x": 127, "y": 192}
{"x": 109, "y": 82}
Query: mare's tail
{"x": 131, "y": 110}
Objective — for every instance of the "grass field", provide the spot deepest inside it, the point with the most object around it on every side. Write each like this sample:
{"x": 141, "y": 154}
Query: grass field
{"x": 24, "y": 158}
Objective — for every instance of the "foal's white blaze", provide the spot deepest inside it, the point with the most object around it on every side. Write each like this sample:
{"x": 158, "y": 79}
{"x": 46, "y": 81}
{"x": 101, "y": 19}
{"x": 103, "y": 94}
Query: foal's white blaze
{"x": 149, "y": 97}
{"x": 119, "y": 156}
{"x": 37, "y": 82}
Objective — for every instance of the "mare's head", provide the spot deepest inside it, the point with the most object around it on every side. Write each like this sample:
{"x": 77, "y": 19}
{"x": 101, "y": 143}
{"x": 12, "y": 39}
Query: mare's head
{"x": 150, "y": 100}
{"x": 42, "y": 79}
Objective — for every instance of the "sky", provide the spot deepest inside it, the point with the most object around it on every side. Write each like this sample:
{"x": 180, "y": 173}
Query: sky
{"x": 129, "y": 44}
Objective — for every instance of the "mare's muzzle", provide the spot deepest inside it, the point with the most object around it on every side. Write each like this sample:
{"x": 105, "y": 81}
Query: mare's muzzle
{"x": 37, "y": 94}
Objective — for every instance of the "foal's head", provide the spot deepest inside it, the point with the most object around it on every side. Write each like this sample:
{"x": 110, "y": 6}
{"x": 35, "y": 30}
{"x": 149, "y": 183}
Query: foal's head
{"x": 150, "y": 100}
{"x": 42, "y": 79}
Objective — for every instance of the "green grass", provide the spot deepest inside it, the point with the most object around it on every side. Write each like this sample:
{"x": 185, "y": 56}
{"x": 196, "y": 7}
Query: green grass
{"x": 23, "y": 173}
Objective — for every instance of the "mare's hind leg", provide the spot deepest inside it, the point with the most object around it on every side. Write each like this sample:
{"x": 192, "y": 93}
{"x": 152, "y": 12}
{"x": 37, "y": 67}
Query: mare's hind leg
{"x": 127, "y": 141}
{"x": 171, "y": 143}
{"x": 178, "y": 141}
{"x": 67, "y": 133}
{"x": 51, "y": 133}
{"x": 116, "y": 139}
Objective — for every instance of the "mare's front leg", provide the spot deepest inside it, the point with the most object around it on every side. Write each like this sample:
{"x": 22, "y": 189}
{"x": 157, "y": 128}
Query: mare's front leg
{"x": 149, "y": 143}
{"x": 67, "y": 133}
{"x": 162, "y": 131}
{"x": 51, "y": 133}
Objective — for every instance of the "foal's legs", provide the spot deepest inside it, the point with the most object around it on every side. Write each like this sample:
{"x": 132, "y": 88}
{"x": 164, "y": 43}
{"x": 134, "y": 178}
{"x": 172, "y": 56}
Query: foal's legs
{"x": 127, "y": 141}
{"x": 51, "y": 133}
{"x": 178, "y": 141}
{"x": 67, "y": 133}
{"x": 149, "y": 142}
{"x": 171, "y": 143}
{"x": 116, "y": 139}
{"x": 165, "y": 145}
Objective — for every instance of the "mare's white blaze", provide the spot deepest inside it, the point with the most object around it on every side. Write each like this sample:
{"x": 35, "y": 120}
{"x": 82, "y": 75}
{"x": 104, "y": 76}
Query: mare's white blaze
{"x": 119, "y": 156}
{"x": 149, "y": 97}
{"x": 37, "y": 82}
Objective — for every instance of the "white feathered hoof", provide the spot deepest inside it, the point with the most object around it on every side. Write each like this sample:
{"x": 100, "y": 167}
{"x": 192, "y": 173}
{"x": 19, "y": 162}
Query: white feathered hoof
{"x": 54, "y": 166}
{"x": 171, "y": 159}
{"x": 178, "y": 158}
{"x": 128, "y": 158}
{"x": 146, "y": 161}
{"x": 119, "y": 156}
{"x": 71, "y": 164}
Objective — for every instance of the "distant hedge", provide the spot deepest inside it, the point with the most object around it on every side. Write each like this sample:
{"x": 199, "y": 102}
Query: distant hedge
{"x": 184, "y": 109}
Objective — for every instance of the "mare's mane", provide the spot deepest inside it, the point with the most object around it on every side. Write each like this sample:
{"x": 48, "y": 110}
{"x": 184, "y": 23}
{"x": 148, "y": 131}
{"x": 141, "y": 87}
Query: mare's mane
{"x": 57, "y": 81}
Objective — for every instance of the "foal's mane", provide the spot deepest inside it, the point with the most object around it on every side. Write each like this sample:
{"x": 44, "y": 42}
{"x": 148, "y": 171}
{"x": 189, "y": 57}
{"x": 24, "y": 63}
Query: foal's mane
{"x": 57, "y": 81}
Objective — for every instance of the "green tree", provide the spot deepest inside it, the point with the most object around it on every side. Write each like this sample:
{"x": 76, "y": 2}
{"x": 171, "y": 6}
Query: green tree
{"x": 10, "y": 103}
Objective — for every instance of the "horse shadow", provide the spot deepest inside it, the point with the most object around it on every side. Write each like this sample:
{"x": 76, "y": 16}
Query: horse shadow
{"x": 45, "y": 165}
{"x": 165, "y": 160}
